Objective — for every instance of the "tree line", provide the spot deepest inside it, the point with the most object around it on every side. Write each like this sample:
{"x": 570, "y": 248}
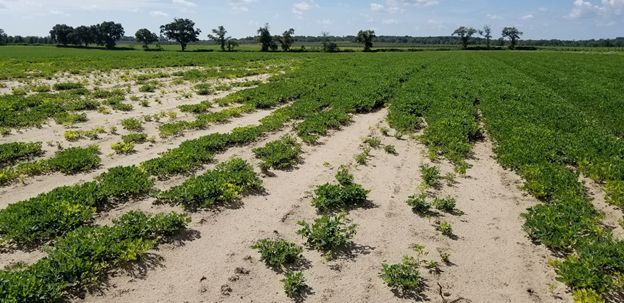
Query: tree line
{"x": 183, "y": 32}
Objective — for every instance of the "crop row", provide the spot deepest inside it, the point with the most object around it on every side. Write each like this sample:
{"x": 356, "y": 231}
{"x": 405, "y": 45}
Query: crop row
{"x": 82, "y": 257}
{"x": 13, "y": 152}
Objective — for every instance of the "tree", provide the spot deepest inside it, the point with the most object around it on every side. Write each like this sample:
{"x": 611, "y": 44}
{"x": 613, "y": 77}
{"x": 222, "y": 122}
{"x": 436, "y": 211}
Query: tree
{"x": 182, "y": 31}
{"x": 219, "y": 36}
{"x": 109, "y": 32}
{"x": 231, "y": 45}
{"x": 3, "y": 37}
{"x": 513, "y": 34}
{"x": 366, "y": 37}
{"x": 146, "y": 37}
{"x": 265, "y": 38}
{"x": 61, "y": 34}
{"x": 287, "y": 40}
{"x": 328, "y": 46}
{"x": 464, "y": 34}
{"x": 84, "y": 35}
{"x": 487, "y": 34}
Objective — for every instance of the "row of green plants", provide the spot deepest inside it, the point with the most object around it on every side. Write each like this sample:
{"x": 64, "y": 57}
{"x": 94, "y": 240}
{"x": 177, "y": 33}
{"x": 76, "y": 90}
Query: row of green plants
{"x": 69, "y": 161}
{"x": 31, "y": 222}
{"x": 81, "y": 258}
{"x": 13, "y": 152}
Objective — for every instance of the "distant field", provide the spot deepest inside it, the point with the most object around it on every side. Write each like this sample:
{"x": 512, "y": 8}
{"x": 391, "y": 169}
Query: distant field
{"x": 483, "y": 176}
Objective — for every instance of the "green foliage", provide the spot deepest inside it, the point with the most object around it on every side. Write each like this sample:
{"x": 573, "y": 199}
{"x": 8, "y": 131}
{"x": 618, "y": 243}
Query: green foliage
{"x": 419, "y": 205}
{"x": 123, "y": 147}
{"x": 17, "y": 151}
{"x": 615, "y": 192}
{"x": 445, "y": 204}
{"x": 280, "y": 154}
{"x": 403, "y": 276}
{"x": 587, "y": 296}
{"x": 430, "y": 175}
{"x": 445, "y": 228}
{"x": 294, "y": 284}
{"x": 222, "y": 185}
{"x": 346, "y": 194}
{"x": 203, "y": 89}
{"x": 373, "y": 142}
{"x": 328, "y": 233}
{"x": 137, "y": 138}
{"x": 278, "y": 253}
{"x": 148, "y": 87}
{"x": 390, "y": 149}
{"x": 82, "y": 257}
{"x": 124, "y": 183}
{"x": 67, "y": 86}
{"x": 75, "y": 160}
{"x": 132, "y": 124}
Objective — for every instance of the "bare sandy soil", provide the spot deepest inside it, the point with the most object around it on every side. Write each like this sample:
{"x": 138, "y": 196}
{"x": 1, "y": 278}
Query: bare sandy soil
{"x": 491, "y": 258}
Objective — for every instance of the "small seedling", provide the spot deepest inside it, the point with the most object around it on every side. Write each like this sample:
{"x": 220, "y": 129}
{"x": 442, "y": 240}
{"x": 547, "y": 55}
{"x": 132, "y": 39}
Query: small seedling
{"x": 373, "y": 142}
{"x": 430, "y": 175}
{"x": 445, "y": 204}
{"x": 390, "y": 149}
{"x": 445, "y": 228}
{"x": 294, "y": 284}
{"x": 419, "y": 204}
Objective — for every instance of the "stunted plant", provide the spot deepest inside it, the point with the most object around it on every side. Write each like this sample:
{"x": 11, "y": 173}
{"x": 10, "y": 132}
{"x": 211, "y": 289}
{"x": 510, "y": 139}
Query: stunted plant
{"x": 280, "y": 154}
{"x": 294, "y": 285}
{"x": 445, "y": 204}
{"x": 430, "y": 175}
{"x": 278, "y": 253}
{"x": 402, "y": 277}
{"x": 328, "y": 233}
{"x": 330, "y": 197}
{"x": 419, "y": 204}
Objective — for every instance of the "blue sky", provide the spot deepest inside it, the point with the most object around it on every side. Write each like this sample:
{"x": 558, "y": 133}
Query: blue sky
{"x": 563, "y": 19}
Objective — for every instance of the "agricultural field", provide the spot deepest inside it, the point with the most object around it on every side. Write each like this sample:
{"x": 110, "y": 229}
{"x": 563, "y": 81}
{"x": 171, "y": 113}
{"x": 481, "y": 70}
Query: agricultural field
{"x": 440, "y": 176}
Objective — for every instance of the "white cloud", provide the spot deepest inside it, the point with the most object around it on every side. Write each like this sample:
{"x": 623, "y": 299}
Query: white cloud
{"x": 527, "y": 17}
{"x": 389, "y": 21}
{"x": 30, "y": 8}
{"x": 300, "y": 8}
{"x": 583, "y": 8}
{"x": 399, "y": 6}
{"x": 376, "y": 7}
{"x": 185, "y": 3}
{"x": 241, "y": 5}
{"x": 158, "y": 14}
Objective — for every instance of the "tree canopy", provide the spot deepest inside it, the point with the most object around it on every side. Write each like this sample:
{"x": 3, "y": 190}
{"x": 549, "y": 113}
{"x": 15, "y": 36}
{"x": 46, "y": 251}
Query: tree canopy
{"x": 265, "y": 38}
{"x": 182, "y": 31}
{"x": 287, "y": 39}
{"x": 219, "y": 36}
{"x": 109, "y": 33}
{"x": 366, "y": 37}
{"x": 513, "y": 34}
{"x": 464, "y": 33}
{"x": 146, "y": 37}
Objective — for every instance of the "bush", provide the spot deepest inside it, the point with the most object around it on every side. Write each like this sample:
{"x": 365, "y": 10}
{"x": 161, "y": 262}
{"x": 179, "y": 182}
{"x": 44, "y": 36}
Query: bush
{"x": 430, "y": 175}
{"x": 403, "y": 277}
{"x": 419, "y": 205}
{"x": 123, "y": 147}
{"x": 11, "y": 152}
{"x": 346, "y": 194}
{"x": 138, "y": 138}
{"x": 67, "y": 86}
{"x": 445, "y": 204}
{"x": 294, "y": 284}
{"x": 278, "y": 253}
{"x": 124, "y": 183}
{"x": 280, "y": 154}
{"x": 76, "y": 160}
{"x": 132, "y": 124}
{"x": 327, "y": 233}
{"x": 225, "y": 184}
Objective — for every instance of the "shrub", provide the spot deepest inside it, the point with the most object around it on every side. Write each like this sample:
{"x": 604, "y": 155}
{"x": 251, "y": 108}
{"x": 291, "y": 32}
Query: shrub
{"x": 132, "y": 124}
{"x": 430, "y": 175}
{"x": 225, "y": 184}
{"x": 445, "y": 204}
{"x": 419, "y": 205}
{"x": 125, "y": 183}
{"x": 278, "y": 253}
{"x": 294, "y": 284}
{"x": 327, "y": 233}
{"x": 123, "y": 147}
{"x": 403, "y": 277}
{"x": 445, "y": 228}
{"x": 75, "y": 160}
{"x": 138, "y": 138}
{"x": 67, "y": 86}
{"x": 280, "y": 154}
{"x": 11, "y": 152}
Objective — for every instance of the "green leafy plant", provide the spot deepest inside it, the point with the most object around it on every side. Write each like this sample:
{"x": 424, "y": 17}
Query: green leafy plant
{"x": 15, "y": 151}
{"x": 419, "y": 204}
{"x": 294, "y": 285}
{"x": 281, "y": 154}
{"x": 137, "y": 138}
{"x": 76, "y": 160}
{"x": 402, "y": 277}
{"x": 123, "y": 147}
{"x": 445, "y": 228}
{"x": 373, "y": 142}
{"x": 278, "y": 253}
{"x": 390, "y": 149}
{"x": 445, "y": 204}
{"x": 346, "y": 194}
{"x": 430, "y": 175}
{"x": 132, "y": 124}
{"x": 67, "y": 86}
{"x": 327, "y": 233}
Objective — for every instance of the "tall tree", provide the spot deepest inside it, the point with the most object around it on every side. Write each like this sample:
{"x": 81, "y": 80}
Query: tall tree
{"x": 146, "y": 37}
{"x": 328, "y": 45}
{"x": 61, "y": 33}
{"x": 287, "y": 39}
{"x": 109, "y": 33}
{"x": 464, "y": 34}
{"x": 231, "y": 45}
{"x": 265, "y": 38}
{"x": 182, "y": 31}
{"x": 3, "y": 37}
{"x": 513, "y": 34}
{"x": 219, "y": 36}
{"x": 486, "y": 32}
{"x": 366, "y": 37}
{"x": 84, "y": 35}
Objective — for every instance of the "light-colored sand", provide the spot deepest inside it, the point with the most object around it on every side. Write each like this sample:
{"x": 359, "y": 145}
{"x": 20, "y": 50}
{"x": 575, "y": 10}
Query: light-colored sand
{"x": 612, "y": 214}
{"x": 493, "y": 259}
